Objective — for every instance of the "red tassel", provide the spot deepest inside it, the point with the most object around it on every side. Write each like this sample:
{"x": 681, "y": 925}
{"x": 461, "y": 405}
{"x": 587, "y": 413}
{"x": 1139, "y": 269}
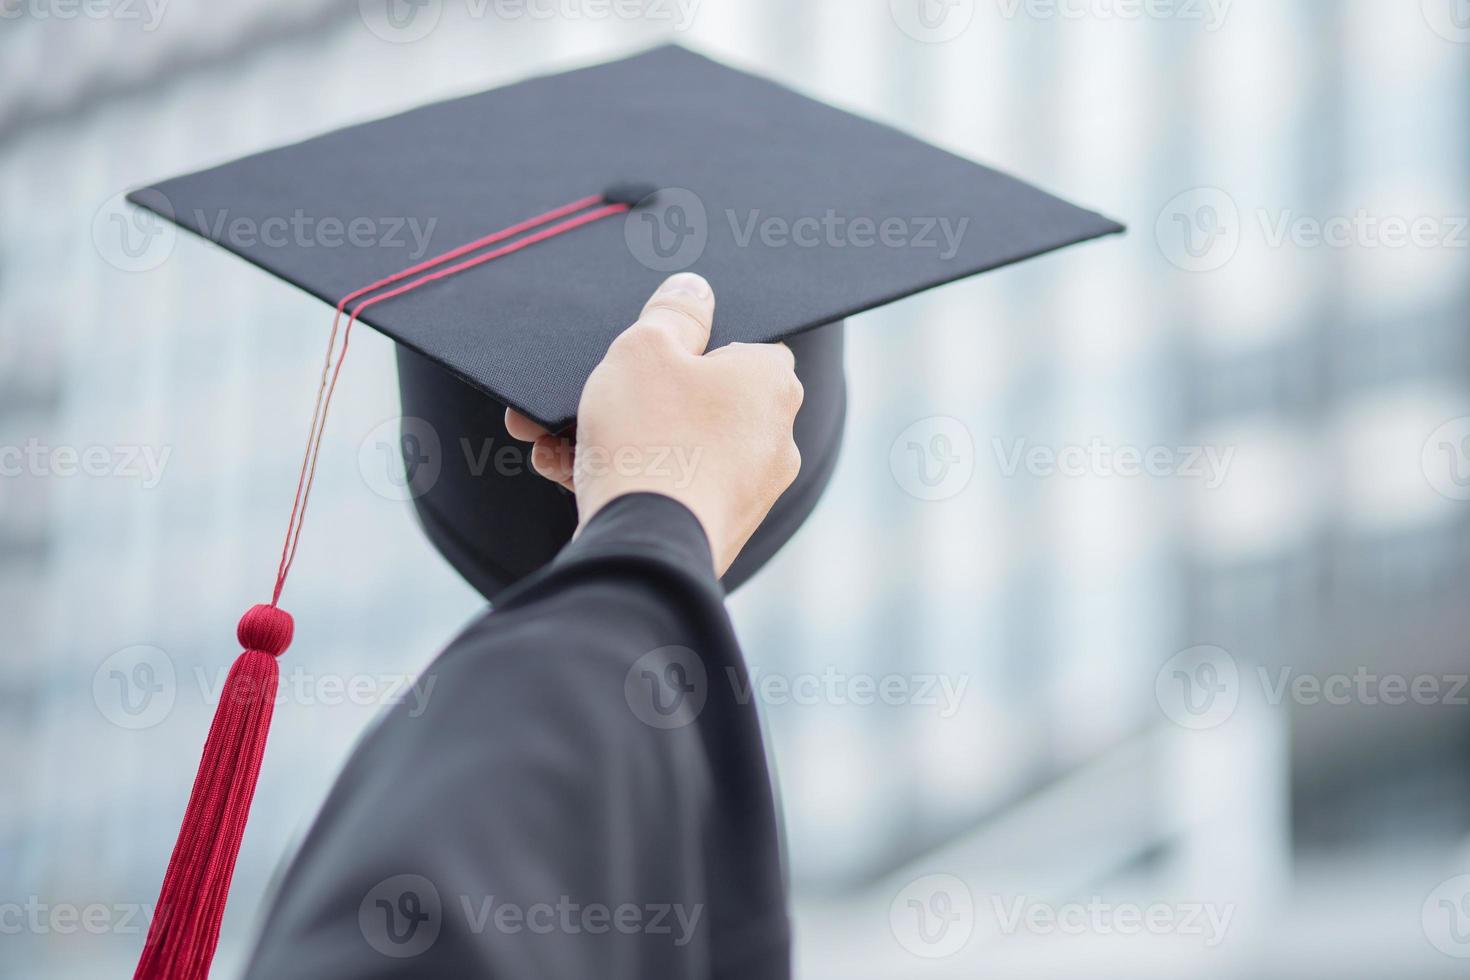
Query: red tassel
{"x": 185, "y": 927}
{"x": 186, "y": 922}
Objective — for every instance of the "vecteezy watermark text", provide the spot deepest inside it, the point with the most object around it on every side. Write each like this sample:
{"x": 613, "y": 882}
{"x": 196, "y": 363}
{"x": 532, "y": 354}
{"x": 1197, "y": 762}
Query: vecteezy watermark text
{"x": 1210, "y": 464}
{"x": 302, "y": 230}
{"x": 568, "y": 917}
{"x": 149, "y": 13}
{"x": 1098, "y": 917}
{"x": 833, "y": 230}
{"x": 1210, "y": 13}
{"x": 38, "y": 917}
{"x": 937, "y": 21}
{"x": 34, "y": 458}
{"x": 304, "y": 687}
{"x": 406, "y": 21}
{"x": 840, "y": 688}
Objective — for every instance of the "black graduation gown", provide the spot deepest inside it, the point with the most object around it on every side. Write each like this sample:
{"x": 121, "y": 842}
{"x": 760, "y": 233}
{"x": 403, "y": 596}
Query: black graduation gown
{"x": 584, "y": 795}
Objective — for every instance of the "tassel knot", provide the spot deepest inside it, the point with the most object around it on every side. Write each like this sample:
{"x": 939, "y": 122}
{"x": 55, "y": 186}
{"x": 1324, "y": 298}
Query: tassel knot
{"x": 267, "y": 629}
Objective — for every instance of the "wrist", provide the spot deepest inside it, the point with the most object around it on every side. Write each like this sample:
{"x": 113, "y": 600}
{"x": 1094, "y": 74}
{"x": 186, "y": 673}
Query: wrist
{"x": 595, "y": 500}
{"x": 650, "y": 522}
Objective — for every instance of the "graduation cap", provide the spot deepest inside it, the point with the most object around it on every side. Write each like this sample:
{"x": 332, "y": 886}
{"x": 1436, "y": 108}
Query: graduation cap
{"x": 549, "y": 210}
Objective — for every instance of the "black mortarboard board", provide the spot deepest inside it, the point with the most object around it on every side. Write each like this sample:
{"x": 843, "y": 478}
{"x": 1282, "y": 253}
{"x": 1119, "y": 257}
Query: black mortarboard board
{"x": 799, "y": 214}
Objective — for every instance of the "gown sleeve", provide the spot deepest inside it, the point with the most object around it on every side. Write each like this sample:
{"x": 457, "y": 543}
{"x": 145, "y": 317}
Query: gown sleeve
{"x": 583, "y": 792}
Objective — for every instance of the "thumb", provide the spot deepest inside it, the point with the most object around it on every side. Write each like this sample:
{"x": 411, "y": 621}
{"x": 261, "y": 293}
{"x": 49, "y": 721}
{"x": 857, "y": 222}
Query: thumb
{"x": 684, "y": 306}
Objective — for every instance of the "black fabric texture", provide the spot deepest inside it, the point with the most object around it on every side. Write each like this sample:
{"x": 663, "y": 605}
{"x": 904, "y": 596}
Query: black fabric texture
{"x": 479, "y": 831}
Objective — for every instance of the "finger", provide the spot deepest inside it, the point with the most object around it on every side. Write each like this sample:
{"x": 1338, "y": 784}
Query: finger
{"x": 684, "y": 306}
{"x": 521, "y": 427}
{"x": 553, "y": 458}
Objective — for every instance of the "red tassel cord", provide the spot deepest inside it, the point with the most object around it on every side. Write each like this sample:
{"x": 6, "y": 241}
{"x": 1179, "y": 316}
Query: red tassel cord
{"x": 186, "y": 924}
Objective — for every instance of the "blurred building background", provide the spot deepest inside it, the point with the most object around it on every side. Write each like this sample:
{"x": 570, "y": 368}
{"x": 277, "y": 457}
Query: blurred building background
{"x": 1226, "y": 692}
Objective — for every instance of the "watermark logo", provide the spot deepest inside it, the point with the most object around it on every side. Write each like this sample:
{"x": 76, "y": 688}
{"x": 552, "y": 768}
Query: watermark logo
{"x": 667, "y": 688}
{"x": 933, "y": 459}
{"x": 401, "y": 458}
{"x": 131, "y": 238}
{"x": 668, "y": 233}
{"x": 1199, "y": 230}
{"x": 135, "y": 687}
{"x": 933, "y": 916}
{"x": 1445, "y": 459}
{"x": 1446, "y": 917}
{"x": 400, "y": 21}
{"x": 1198, "y": 688}
{"x": 932, "y": 21}
{"x": 1450, "y": 19}
{"x": 401, "y": 916}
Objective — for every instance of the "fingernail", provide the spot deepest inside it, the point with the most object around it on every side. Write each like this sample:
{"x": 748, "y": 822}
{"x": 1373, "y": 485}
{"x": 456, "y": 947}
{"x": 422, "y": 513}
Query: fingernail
{"x": 687, "y": 282}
